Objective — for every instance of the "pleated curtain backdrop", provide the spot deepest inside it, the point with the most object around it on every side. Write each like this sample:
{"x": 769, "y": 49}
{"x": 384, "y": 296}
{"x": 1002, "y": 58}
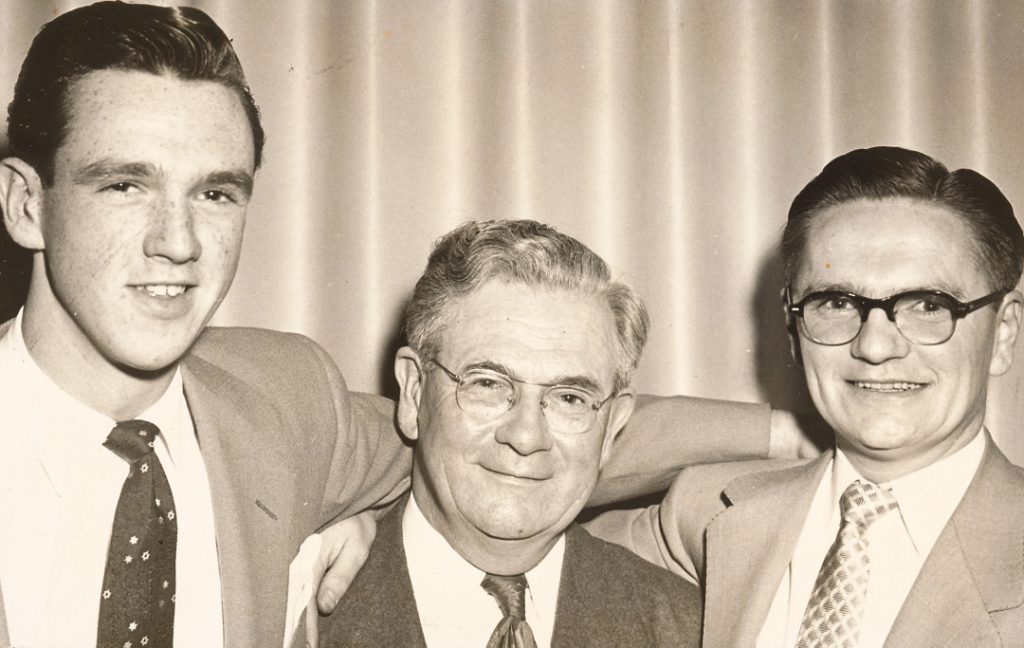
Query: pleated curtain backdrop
{"x": 670, "y": 136}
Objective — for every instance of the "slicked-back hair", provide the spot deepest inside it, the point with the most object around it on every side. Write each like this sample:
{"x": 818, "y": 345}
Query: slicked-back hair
{"x": 526, "y": 252}
{"x": 179, "y": 41}
{"x": 886, "y": 172}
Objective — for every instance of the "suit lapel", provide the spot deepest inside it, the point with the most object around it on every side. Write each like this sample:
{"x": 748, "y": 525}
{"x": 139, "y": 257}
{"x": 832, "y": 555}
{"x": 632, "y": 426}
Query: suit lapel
{"x": 588, "y": 611}
{"x": 975, "y": 569}
{"x": 575, "y": 619}
{"x": 252, "y": 484}
{"x": 749, "y": 546}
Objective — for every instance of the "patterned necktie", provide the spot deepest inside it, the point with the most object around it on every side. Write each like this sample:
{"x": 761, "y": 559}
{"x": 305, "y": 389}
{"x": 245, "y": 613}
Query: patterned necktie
{"x": 137, "y": 602}
{"x": 835, "y": 609}
{"x": 512, "y": 631}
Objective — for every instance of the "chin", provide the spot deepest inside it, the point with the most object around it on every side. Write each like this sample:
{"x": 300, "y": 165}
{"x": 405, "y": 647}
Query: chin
{"x": 515, "y": 528}
{"x": 881, "y": 437}
{"x": 142, "y": 365}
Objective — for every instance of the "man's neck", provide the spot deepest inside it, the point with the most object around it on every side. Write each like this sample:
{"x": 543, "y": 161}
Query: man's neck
{"x": 114, "y": 391}
{"x": 883, "y": 466}
{"x": 488, "y": 554}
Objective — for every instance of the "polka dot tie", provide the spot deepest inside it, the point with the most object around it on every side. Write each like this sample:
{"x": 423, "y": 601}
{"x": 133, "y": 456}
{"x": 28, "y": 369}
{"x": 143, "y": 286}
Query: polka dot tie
{"x": 835, "y": 609}
{"x": 137, "y": 601}
{"x": 512, "y": 631}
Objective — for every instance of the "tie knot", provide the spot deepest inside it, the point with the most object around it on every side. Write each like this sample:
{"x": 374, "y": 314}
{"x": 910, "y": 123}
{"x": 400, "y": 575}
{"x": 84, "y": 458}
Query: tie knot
{"x": 132, "y": 440}
{"x": 509, "y": 591}
{"x": 864, "y": 502}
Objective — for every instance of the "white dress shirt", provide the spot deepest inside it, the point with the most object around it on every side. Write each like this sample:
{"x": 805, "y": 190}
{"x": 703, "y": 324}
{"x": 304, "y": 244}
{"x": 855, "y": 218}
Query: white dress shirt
{"x": 455, "y": 611}
{"x": 899, "y": 542}
{"x": 59, "y": 489}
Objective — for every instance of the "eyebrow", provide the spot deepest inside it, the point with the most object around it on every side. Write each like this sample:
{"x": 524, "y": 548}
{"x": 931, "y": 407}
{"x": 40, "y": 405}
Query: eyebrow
{"x": 846, "y": 288}
{"x": 582, "y": 382}
{"x": 110, "y": 168}
{"x": 238, "y": 178}
{"x": 106, "y": 168}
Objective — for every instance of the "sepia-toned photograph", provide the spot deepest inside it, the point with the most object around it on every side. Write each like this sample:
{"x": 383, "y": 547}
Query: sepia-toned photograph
{"x": 511, "y": 323}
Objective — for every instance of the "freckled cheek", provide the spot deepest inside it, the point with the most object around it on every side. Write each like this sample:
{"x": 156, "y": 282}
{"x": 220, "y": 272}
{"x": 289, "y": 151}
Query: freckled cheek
{"x": 86, "y": 251}
{"x": 221, "y": 247}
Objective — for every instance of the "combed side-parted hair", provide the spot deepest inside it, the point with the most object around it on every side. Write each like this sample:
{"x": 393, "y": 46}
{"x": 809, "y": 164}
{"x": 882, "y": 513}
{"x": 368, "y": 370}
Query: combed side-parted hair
{"x": 180, "y": 41}
{"x": 527, "y": 252}
{"x": 890, "y": 172}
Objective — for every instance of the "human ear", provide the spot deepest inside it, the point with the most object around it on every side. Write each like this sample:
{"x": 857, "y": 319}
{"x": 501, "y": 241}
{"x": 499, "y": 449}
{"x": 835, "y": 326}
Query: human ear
{"x": 21, "y": 201}
{"x": 791, "y": 331}
{"x": 1007, "y": 326}
{"x": 409, "y": 373}
{"x": 619, "y": 410}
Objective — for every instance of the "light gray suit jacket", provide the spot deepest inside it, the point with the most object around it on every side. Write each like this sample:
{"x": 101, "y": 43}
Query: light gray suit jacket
{"x": 732, "y": 527}
{"x": 288, "y": 448}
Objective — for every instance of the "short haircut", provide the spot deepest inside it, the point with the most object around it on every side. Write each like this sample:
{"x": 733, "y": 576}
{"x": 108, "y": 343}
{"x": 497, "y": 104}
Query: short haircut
{"x": 889, "y": 172}
{"x": 180, "y": 41}
{"x": 527, "y": 252}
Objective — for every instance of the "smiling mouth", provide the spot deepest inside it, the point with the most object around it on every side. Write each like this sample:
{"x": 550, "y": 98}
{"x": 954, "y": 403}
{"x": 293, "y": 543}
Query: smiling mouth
{"x": 501, "y": 473}
{"x": 887, "y": 387}
{"x": 163, "y": 291}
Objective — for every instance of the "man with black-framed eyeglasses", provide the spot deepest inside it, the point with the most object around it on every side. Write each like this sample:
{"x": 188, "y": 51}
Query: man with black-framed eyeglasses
{"x": 925, "y": 317}
{"x": 515, "y": 383}
{"x": 902, "y": 303}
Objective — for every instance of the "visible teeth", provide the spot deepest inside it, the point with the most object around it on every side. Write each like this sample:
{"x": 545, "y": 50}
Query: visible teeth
{"x": 888, "y": 386}
{"x": 163, "y": 290}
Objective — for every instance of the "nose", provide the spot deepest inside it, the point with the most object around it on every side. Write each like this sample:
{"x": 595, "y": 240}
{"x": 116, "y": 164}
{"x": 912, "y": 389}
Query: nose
{"x": 525, "y": 429}
{"x": 879, "y": 339}
{"x": 172, "y": 233}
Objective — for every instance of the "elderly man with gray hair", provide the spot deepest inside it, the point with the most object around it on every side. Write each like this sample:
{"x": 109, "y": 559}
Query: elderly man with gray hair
{"x": 514, "y": 385}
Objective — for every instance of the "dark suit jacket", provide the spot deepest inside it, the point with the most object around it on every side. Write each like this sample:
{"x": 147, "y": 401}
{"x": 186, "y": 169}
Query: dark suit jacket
{"x": 733, "y": 527}
{"x": 287, "y": 448}
{"x": 607, "y": 597}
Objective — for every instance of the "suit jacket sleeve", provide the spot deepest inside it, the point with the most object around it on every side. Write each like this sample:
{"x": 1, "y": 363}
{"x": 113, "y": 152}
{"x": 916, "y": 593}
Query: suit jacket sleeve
{"x": 666, "y": 434}
{"x": 370, "y": 462}
{"x": 668, "y": 534}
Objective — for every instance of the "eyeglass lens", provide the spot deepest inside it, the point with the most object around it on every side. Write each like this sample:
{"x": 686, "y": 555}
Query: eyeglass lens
{"x": 568, "y": 410}
{"x": 837, "y": 319}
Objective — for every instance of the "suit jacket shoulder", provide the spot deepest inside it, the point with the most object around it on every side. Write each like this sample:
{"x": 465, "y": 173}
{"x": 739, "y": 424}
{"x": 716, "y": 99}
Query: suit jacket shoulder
{"x": 288, "y": 394}
{"x": 609, "y": 597}
{"x": 350, "y": 435}
{"x": 701, "y": 493}
{"x": 268, "y": 360}
{"x": 671, "y": 534}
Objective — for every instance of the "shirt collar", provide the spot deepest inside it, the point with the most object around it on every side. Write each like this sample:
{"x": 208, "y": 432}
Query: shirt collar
{"x": 426, "y": 546}
{"x": 61, "y": 426}
{"x": 926, "y": 497}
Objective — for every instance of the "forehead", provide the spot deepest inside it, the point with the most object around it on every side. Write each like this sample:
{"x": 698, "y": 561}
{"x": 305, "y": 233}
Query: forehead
{"x": 137, "y": 116}
{"x": 540, "y": 334}
{"x": 880, "y": 247}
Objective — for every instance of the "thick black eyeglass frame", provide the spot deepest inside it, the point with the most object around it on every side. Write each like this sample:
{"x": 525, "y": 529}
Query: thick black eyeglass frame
{"x": 457, "y": 379}
{"x": 865, "y": 305}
